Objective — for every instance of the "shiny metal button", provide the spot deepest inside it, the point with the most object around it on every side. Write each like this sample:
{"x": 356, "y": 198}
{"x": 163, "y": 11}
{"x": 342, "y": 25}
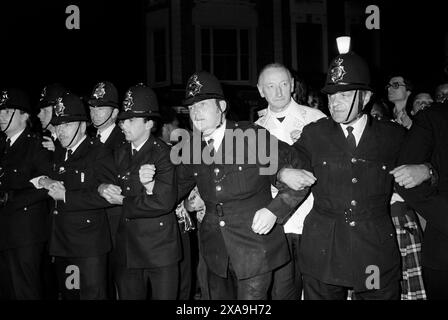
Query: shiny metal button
{"x": 25, "y": 209}
{"x": 383, "y": 167}
{"x": 352, "y": 224}
{"x": 324, "y": 163}
{"x": 216, "y": 170}
{"x": 161, "y": 224}
{"x": 240, "y": 168}
{"x": 195, "y": 174}
{"x": 55, "y": 212}
{"x": 354, "y": 160}
{"x": 128, "y": 188}
{"x": 222, "y": 223}
{"x": 353, "y": 203}
{"x": 354, "y": 180}
{"x": 218, "y": 188}
{"x": 88, "y": 221}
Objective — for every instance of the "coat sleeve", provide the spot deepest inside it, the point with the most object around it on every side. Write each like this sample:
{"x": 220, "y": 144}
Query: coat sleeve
{"x": 418, "y": 148}
{"x": 164, "y": 195}
{"x": 89, "y": 199}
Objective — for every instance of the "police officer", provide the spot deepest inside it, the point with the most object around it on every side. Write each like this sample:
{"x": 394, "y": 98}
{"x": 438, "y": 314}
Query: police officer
{"x": 348, "y": 239}
{"x": 23, "y": 209}
{"x": 80, "y": 237}
{"x": 103, "y": 105}
{"x": 147, "y": 248}
{"x": 47, "y": 100}
{"x": 240, "y": 239}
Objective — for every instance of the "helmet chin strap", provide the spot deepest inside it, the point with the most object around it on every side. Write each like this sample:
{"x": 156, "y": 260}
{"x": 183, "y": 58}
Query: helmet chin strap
{"x": 10, "y": 120}
{"x": 74, "y": 136}
{"x": 351, "y": 109}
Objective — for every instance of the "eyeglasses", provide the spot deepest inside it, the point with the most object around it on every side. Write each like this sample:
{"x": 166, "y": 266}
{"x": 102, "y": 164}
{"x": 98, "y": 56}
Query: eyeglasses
{"x": 395, "y": 85}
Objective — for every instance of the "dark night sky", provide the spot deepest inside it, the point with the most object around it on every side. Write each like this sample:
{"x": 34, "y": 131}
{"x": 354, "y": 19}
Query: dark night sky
{"x": 37, "y": 49}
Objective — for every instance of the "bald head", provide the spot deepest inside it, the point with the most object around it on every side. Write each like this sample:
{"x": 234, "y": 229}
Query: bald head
{"x": 276, "y": 85}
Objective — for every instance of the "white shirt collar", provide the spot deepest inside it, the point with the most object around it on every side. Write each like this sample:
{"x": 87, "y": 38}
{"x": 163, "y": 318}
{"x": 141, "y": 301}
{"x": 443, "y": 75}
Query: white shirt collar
{"x": 78, "y": 144}
{"x": 106, "y": 132}
{"x": 16, "y": 136}
{"x": 358, "y": 128}
{"x": 217, "y": 136}
{"x": 139, "y": 146}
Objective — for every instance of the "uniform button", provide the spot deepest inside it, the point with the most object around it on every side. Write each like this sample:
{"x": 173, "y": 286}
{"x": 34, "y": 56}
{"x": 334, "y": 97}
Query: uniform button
{"x": 127, "y": 220}
{"x": 354, "y": 180}
{"x": 195, "y": 174}
{"x": 353, "y": 203}
{"x": 15, "y": 170}
{"x": 55, "y": 212}
{"x": 240, "y": 168}
{"x": 216, "y": 170}
{"x": 383, "y": 167}
{"x": 222, "y": 223}
{"x": 161, "y": 224}
{"x": 0, "y": 183}
{"x": 352, "y": 224}
{"x": 218, "y": 188}
{"x": 88, "y": 221}
{"x": 324, "y": 163}
{"x": 25, "y": 209}
{"x": 354, "y": 160}
{"x": 128, "y": 188}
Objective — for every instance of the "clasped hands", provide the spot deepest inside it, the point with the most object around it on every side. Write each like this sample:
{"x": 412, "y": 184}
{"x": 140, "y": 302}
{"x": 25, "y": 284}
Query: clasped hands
{"x": 56, "y": 189}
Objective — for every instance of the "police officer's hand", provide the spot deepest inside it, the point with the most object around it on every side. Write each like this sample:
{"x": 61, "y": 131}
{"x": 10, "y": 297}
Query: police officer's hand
{"x": 409, "y": 176}
{"x": 146, "y": 173}
{"x": 106, "y": 189}
{"x": 48, "y": 143}
{"x": 46, "y": 182}
{"x": 263, "y": 221}
{"x": 57, "y": 191}
{"x": 296, "y": 179}
{"x": 114, "y": 198}
{"x": 295, "y": 135}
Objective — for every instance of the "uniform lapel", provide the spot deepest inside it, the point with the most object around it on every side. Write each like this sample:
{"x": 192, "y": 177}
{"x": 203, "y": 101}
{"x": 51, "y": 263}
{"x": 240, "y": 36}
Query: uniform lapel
{"x": 338, "y": 137}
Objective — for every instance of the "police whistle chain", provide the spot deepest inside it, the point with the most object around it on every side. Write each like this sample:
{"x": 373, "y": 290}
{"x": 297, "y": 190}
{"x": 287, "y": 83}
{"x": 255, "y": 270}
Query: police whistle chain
{"x": 10, "y": 120}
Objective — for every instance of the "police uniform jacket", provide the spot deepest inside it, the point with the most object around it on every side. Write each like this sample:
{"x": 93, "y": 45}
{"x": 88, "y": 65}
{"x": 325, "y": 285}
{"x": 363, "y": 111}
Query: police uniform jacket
{"x": 148, "y": 234}
{"x": 24, "y": 216}
{"x": 79, "y": 225}
{"x": 233, "y": 193}
{"x": 349, "y": 227}
{"x": 427, "y": 142}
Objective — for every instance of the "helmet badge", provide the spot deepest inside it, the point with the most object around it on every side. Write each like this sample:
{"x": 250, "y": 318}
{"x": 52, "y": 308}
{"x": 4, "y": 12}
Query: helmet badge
{"x": 128, "y": 102}
{"x": 338, "y": 72}
{"x": 4, "y": 97}
{"x": 194, "y": 86}
{"x": 43, "y": 94}
{"x": 99, "y": 91}
{"x": 59, "y": 107}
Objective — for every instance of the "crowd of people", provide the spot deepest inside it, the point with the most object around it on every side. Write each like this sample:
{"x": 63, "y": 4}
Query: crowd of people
{"x": 93, "y": 205}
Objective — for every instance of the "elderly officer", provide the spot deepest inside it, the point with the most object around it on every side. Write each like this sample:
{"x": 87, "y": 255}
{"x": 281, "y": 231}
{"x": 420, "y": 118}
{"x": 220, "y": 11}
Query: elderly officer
{"x": 23, "y": 209}
{"x": 240, "y": 237}
{"x": 148, "y": 242}
{"x": 348, "y": 239}
{"x": 103, "y": 104}
{"x": 80, "y": 237}
{"x": 285, "y": 120}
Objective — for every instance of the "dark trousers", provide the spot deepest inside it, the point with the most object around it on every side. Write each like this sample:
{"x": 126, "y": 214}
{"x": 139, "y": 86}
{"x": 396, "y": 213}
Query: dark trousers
{"x": 21, "y": 273}
{"x": 436, "y": 283}
{"x": 50, "y": 280}
{"x": 92, "y": 281}
{"x": 114, "y": 220}
{"x": 230, "y": 288}
{"x": 287, "y": 280}
{"x": 185, "y": 268}
{"x": 317, "y": 290}
{"x": 141, "y": 284}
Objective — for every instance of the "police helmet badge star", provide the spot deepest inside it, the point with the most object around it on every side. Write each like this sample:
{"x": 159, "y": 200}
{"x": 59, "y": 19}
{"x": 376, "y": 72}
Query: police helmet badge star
{"x": 43, "y": 94}
{"x": 4, "y": 97}
{"x": 99, "y": 91}
{"x": 59, "y": 107}
{"x": 128, "y": 102}
{"x": 338, "y": 72}
{"x": 194, "y": 86}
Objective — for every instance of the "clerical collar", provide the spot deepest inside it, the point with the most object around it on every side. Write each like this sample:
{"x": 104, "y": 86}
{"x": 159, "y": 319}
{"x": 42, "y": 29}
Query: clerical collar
{"x": 281, "y": 114}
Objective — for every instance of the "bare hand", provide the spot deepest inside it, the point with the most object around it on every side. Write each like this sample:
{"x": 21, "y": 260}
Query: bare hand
{"x": 263, "y": 221}
{"x": 296, "y": 179}
{"x": 409, "y": 176}
{"x": 114, "y": 198}
{"x": 57, "y": 191}
{"x": 48, "y": 143}
{"x": 108, "y": 189}
{"x": 146, "y": 173}
{"x": 46, "y": 182}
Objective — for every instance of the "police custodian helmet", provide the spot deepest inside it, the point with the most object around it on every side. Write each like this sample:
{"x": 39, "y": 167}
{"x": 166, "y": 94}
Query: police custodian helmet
{"x": 202, "y": 86}
{"x": 14, "y": 98}
{"x": 68, "y": 108}
{"x": 140, "y": 102}
{"x": 347, "y": 72}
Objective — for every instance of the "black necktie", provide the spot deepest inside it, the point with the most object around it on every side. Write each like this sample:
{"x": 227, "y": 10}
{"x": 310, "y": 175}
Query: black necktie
{"x": 69, "y": 154}
{"x": 211, "y": 146}
{"x": 7, "y": 145}
{"x": 134, "y": 152}
{"x": 351, "y": 139}
{"x": 98, "y": 137}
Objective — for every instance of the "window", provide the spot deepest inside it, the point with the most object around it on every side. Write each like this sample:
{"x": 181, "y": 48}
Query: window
{"x": 225, "y": 53}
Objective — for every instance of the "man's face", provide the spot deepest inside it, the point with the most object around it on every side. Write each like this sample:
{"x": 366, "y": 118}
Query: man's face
{"x": 18, "y": 122}
{"x": 206, "y": 115}
{"x": 45, "y": 115}
{"x": 421, "y": 101}
{"x": 69, "y": 134}
{"x": 100, "y": 114}
{"x": 396, "y": 90}
{"x": 136, "y": 130}
{"x": 442, "y": 92}
{"x": 276, "y": 86}
{"x": 339, "y": 105}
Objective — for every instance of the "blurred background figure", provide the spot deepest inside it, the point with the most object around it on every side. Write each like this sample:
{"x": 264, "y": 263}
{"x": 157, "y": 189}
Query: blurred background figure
{"x": 380, "y": 110}
{"x": 420, "y": 102}
{"x": 399, "y": 89}
{"x": 442, "y": 93}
